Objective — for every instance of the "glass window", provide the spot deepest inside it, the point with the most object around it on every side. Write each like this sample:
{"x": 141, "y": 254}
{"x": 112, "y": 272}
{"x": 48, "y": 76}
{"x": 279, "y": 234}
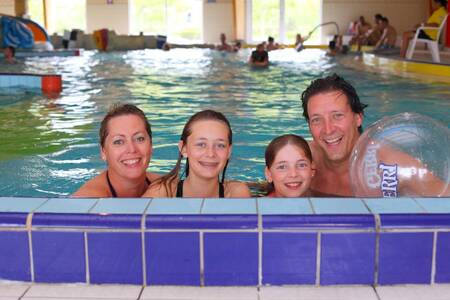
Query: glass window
{"x": 301, "y": 16}
{"x": 265, "y": 19}
{"x": 180, "y": 20}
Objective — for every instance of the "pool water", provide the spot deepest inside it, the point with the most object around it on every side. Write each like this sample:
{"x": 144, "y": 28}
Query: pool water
{"x": 49, "y": 147}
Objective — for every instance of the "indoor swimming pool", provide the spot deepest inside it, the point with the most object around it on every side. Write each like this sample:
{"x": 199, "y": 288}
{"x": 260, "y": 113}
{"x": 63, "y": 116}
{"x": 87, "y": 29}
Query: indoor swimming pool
{"x": 49, "y": 146}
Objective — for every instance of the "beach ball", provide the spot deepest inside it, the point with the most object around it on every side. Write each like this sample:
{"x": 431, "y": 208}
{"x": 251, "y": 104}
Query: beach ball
{"x": 405, "y": 155}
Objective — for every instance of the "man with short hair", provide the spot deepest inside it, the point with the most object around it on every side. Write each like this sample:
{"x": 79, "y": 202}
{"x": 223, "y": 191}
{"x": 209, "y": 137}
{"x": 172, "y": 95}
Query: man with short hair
{"x": 335, "y": 114}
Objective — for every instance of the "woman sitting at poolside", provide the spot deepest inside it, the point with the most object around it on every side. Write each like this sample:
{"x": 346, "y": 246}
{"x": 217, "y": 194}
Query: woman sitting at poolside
{"x": 126, "y": 146}
{"x": 289, "y": 167}
{"x": 206, "y": 144}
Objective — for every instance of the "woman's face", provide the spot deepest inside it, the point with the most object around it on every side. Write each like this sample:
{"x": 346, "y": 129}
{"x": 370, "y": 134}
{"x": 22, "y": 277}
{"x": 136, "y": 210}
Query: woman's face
{"x": 290, "y": 172}
{"x": 207, "y": 148}
{"x": 127, "y": 148}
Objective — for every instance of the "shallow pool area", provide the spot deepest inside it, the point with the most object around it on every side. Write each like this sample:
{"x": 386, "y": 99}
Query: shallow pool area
{"x": 50, "y": 145}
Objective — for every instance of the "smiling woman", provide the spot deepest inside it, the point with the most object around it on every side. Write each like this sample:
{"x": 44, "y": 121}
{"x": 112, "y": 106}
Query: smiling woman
{"x": 126, "y": 146}
{"x": 206, "y": 143}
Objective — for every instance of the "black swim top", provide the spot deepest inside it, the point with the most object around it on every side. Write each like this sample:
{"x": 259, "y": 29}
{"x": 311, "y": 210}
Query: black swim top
{"x": 179, "y": 193}
{"x": 111, "y": 188}
{"x": 259, "y": 56}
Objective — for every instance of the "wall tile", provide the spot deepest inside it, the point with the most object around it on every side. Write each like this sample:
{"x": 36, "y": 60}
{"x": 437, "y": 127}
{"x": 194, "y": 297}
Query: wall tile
{"x": 14, "y": 204}
{"x": 59, "y": 256}
{"x": 443, "y": 258}
{"x": 67, "y": 205}
{"x": 347, "y": 258}
{"x": 229, "y": 206}
{"x": 121, "y": 206}
{"x": 115, "y": 257}
{"x": 173, "y": 258}
{"x": 415, "y": 221}
{"x": 319, "y": 222}
{"x": 339, "y": 206}
{"x": 8, "y": 219}
{"x": 435, "y": 205}
{"x": 231, "y": 258}
{"x": 289, "y": 258}
{"x": 87, "y": 220}
{"x": 14, "y": 256}
{"x": 284, "y": 206}
{"x": 172, "y": 206}
{"x": 201, "y": 222}
{"x": 393, "y": 206}
{"x": 405, "y": 258}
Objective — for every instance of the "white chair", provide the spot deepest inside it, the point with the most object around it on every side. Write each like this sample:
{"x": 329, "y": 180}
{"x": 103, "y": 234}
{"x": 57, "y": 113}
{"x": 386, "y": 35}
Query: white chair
{"x": 433, "y": 45}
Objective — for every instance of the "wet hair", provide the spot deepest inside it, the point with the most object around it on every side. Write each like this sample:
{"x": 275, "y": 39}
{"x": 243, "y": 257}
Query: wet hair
{"x": 333, "y": 83}
{"x": 378, "y": 17}
{"x": 270, "y": 39}
{"x": 117, "y": 110}
{"x": 279, "y": 143}
{"x": 385, "y": 20}
{"x": 204, "y": 115}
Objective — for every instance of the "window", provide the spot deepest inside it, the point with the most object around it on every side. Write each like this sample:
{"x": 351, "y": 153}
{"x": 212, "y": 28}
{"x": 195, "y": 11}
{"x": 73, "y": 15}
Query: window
{"x": 61, "y": 15}
{"x": 283, "y": 19}
{"x": 180, "y": 20}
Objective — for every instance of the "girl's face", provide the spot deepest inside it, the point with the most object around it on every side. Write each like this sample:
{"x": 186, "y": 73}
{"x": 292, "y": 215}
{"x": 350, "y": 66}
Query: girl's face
{"x": 290, "y": 172}
{"x": 127, "y": 148}
{"x": 207, "y": 148}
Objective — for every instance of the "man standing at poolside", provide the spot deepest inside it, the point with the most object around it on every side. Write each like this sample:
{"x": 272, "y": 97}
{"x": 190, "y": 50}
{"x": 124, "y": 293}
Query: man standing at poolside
{"x": 334, "y": 114}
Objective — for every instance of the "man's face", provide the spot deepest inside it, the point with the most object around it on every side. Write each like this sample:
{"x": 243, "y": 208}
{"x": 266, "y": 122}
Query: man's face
{"x": 333, "y": 125}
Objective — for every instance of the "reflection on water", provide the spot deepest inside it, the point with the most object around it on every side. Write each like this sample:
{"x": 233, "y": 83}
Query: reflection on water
{"x": 49, "y": 147}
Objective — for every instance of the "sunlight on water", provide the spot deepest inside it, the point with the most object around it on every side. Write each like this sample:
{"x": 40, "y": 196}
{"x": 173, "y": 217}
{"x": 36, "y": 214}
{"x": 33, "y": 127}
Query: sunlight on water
{"x": 49, "y": 147}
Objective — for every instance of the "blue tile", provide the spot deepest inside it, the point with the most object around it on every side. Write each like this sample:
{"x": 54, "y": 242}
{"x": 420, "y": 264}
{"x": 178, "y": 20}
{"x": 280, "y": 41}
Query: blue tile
{"x": 415, "y": 221}
{"x": 229, "y": 206}
{"x": 289, "y": 258}
{"x": 121, "y": 206}
{"x": 339, "y": 206}
{"x": 347, "y": 258}
{"x": 173, "y": 258}
{"x": 8, "y": 219}
{"x": 115, "y": 257}
{"x": 319, "y": 222}
{"x": 231, "y": 258}
{"x": 13, "y": 204}
{"x": 59, "y": 256}
{"x": 405, "y": 258}
{"x": 284, "y": 206}
{"x": 173, "y": 206}
{"x": 393, "y": 206}
{"x": 87, "y": 220}
{"x": 201, "y": 222}
{"x": 67, "y": 205}
{"x": 435, "y": 205}
{"x": 14, "y": 256}
{"x": 443, "y": 258}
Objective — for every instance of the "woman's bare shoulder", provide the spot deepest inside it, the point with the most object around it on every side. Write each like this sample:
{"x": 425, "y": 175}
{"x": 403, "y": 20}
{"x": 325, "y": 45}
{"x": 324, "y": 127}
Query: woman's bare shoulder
{"x": 95, "y": 187}
{"x": 158, "y": 190}
{"x": 236, "y": 189}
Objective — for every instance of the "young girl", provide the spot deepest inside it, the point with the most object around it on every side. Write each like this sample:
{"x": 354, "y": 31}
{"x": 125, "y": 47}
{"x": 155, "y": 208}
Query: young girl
{"x": 289, "y": 167}
{"x": 206, "y": 144}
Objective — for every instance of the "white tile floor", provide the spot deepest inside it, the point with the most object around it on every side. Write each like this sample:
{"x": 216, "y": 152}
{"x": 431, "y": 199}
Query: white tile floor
{"x": 23, "y": 291}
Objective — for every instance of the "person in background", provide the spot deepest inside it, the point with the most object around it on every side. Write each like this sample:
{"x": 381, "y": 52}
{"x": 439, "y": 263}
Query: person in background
{"x": 271, "y": 45}
{"x": 435, "y": 20}
{"x": 372, "y": 36}
{"x": 334, "y": 114}
{"x": 206, "y": 144}
{"x": 237, "y": 46}
{"x": 224, "y": 46}
{"x": 126, "y": 146}
{"x": 299, "y": 42}
{"x": 388, "y": 37}
{"x": 259, "y": 57}
{"x": 289, "y": 167}
{"x": 9, "y": 53}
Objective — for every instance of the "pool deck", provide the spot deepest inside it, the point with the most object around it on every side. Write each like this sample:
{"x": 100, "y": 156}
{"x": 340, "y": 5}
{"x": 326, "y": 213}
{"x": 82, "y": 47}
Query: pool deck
{"x": 19, "y": 291}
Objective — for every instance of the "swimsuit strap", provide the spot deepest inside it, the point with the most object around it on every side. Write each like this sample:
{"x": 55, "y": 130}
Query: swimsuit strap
{"x": 221, "y": 190}
{"x": 111, "y": 188}
{"x": 179, "y": 192}
{"x": 113, "y": 191}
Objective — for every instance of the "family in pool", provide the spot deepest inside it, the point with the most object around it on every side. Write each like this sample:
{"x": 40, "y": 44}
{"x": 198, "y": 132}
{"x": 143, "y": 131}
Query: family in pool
{"x": 294, "y": 167}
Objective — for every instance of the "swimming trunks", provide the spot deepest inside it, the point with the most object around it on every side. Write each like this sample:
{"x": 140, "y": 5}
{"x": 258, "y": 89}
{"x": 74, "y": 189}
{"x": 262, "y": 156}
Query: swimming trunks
{"x": 111, "y": 188}
{"x": 179, "y": 193}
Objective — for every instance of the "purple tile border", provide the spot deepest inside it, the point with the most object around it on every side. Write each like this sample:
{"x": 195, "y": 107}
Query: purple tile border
{"x": 201, "y": 222}
{"x": 319, "y": 222}
{"x": 122, "y": 221}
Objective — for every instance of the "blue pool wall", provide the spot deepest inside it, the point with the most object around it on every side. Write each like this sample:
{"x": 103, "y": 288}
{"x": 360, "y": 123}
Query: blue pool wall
{"x": 226, "y": 242}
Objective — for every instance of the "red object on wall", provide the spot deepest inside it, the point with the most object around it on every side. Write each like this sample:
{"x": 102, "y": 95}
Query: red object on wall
{"x": 51, "y": 83}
